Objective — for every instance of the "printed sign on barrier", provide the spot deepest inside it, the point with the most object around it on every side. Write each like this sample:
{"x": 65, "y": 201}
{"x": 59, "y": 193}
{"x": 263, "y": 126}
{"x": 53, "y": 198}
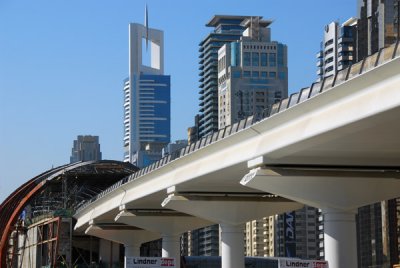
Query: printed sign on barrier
{"x": 149, "y": 262}
{"x": 291, "y": 263}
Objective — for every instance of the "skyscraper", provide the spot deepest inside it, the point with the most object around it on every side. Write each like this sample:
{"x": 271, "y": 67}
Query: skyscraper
{"x": 226, "y": 29}
{"x": 85, "y": 148}
{"x": 378, "y": 25}
{"x": 147, "y": 98}
{"x": 338, "y": 48}
{"x": 252, "y": 73}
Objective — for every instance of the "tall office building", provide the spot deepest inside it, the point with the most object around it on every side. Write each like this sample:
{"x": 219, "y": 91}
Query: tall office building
{"x": 85, "y": 148}
{"x": 338, "y": 48}
{"x": 252, "y": 73}
{"x": 226, "y": 29}
{"x": 378, "y": 25}
{"x": 147, "y": 111}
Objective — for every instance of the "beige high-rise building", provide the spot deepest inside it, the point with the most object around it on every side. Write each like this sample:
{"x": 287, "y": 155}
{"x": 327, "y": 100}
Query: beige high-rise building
{"x": 260, "y": 237}
{"x": 252, "y": 74}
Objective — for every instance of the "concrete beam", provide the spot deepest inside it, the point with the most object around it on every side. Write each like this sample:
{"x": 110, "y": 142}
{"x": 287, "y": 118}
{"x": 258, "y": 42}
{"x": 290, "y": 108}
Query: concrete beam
{"x": 344, "y": 189}
{"x": 167, "y": 222}
{"x": 130, "y": 238}
{"x": 230, "y": 210}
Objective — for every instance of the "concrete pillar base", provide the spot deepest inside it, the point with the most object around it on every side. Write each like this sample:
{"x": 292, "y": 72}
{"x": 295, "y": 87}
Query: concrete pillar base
{"x": 171, "y": 248}
{"x": 232, "y": 241}
{"x": 132, "y": 250}
{"x": 340, "y": 238}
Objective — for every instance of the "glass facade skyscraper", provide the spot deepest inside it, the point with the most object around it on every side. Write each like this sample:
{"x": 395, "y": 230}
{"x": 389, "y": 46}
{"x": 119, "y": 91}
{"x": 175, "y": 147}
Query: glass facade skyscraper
{"x": 147, "y": 99}
{"x": 226, "y": 29}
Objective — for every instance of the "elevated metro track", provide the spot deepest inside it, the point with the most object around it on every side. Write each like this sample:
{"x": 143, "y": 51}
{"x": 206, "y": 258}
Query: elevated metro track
{"x": 347, "y": 120}
{"x": 346, "y": 124}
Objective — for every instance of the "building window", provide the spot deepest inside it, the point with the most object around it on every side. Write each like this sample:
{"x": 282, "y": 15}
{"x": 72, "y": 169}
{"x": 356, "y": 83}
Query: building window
{"x": 255, "y": 74}
{"x": 346, "y": 31}
{"x": 330, "y": 68}
{"x": 264, "y": 74}
{"x": 246, "y": 59}
{"x": 329, "y": 51}
{"x": 246, "y": 74}
{"x": 272, "y": 59}
{"x": 272, "y": 74}
{"x": 236, "y": 74}
{"x": 280, "y": 55}
{"x": 264, "y": 59}
{"x": 329, "y": 42}
{"x": 255, "y": 58}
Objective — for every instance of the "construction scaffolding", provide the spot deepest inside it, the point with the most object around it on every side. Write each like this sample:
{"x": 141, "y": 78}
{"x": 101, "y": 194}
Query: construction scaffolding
{"x": 36, "y": 223}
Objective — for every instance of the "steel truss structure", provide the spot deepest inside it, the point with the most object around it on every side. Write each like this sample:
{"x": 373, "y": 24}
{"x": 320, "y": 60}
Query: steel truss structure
{"x": 59, "y": 190}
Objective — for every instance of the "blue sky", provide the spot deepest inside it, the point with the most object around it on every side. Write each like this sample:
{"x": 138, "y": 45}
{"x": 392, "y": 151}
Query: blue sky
{"x": 62, "y": 64}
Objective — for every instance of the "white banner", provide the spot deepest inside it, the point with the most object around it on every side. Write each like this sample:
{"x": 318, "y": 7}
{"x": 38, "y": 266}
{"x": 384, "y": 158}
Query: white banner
{"x": 291, "y": 263}
{"x": 149, "y": 262}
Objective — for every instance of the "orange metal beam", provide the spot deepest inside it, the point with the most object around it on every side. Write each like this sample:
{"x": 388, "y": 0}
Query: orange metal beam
{"x": 13, "y": 219}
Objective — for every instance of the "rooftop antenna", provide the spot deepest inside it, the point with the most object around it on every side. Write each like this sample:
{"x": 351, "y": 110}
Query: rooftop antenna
{"x": 146, "y": 24}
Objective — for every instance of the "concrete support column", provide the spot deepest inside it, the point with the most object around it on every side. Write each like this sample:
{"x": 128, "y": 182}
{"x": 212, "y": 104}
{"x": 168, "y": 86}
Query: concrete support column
{"x": 171, "y": 248}
{"x": 232, "y": 240}
{"x": 132, "y": 250}
{"x": 340, "y": 238}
